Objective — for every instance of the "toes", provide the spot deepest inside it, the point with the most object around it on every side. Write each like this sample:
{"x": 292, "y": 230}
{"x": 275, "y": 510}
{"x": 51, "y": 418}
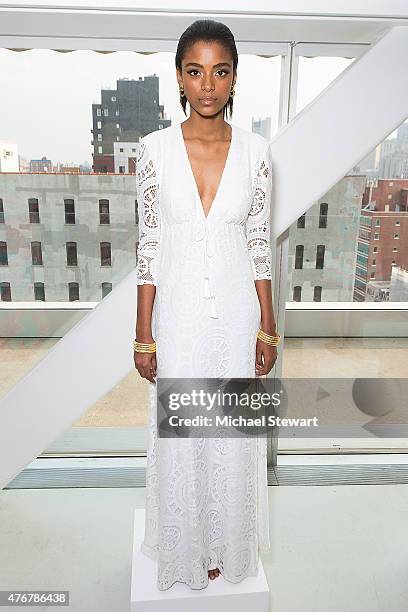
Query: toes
{"x": 213, "y": 573}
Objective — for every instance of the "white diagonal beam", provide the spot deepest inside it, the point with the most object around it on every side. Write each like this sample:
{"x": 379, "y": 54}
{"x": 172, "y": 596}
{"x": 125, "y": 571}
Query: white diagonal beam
{"x": 358, "y": 110}
{"x": 80, "y": 368}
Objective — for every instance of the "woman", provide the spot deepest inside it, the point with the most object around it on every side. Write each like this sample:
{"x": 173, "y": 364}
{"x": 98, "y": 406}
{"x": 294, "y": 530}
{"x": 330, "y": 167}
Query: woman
{"x": 204, "y": 291}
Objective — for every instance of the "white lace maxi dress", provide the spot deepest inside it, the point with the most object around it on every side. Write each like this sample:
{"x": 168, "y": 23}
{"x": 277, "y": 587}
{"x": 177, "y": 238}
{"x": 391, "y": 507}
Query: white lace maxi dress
{"x": 206, "y": 499}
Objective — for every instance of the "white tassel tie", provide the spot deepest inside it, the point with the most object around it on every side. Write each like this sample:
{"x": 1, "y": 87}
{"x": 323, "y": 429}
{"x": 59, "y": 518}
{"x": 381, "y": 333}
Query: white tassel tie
{"x": 209, "y": 293}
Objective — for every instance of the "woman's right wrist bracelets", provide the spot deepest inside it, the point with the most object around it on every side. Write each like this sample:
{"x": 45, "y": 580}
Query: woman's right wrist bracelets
{"x": 144, "y": 347}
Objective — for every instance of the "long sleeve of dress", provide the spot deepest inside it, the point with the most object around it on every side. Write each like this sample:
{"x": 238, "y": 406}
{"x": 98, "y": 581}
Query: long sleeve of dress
{"x": 258, "y": 221}
{"x": 147, "y": 195}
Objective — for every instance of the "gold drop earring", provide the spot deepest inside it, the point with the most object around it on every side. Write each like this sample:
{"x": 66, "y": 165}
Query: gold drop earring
{"x": 182, "y": 94}
{"x": 232, "y": 94}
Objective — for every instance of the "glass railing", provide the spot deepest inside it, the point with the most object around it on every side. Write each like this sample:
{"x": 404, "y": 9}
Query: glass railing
{"x": 345, "y": 325}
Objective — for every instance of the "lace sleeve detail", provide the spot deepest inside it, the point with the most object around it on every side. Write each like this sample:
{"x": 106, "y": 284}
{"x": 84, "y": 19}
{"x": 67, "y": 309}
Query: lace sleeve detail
{"x": 147, "y": 194}
{"x": 258, "y": 221}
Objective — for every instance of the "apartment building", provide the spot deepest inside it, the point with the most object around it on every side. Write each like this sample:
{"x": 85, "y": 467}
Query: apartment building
{"x": 65, "y": 237}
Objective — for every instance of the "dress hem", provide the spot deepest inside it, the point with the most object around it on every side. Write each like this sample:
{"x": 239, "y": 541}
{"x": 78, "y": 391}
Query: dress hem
{"x": 153, "y": 554}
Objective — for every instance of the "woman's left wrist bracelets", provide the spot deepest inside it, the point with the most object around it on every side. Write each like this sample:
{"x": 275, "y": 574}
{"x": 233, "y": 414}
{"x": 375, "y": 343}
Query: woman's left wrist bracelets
{"x": 271, "y": 340}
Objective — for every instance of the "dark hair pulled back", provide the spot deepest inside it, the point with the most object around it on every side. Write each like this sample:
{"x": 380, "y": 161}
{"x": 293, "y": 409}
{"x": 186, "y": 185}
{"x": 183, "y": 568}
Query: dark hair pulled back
{"x": 210, "y": 31}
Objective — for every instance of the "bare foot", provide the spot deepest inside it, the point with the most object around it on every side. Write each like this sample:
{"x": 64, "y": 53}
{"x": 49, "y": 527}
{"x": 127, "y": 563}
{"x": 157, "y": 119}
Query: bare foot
{"x": 213, "y": 573}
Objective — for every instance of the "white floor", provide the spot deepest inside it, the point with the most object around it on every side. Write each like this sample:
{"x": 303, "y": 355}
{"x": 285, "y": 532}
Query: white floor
{"x": 334, "y": 548}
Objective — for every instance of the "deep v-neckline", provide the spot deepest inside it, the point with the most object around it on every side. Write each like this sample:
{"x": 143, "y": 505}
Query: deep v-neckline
{"x": 191, "y": 173}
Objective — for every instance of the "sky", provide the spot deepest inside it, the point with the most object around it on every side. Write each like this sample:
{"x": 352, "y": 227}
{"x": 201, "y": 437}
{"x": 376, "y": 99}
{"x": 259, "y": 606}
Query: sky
{"x": 46, "y": 96}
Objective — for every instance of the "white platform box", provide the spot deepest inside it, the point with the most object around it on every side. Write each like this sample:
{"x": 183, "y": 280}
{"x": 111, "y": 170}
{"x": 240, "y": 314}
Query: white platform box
{"x": 252, "y": 594}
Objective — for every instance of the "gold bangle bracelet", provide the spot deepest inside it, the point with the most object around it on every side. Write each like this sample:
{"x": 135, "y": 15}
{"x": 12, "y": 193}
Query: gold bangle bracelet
{"x": 267, "y": 336}
{"x": 274, "y": 343}
{"x": 144, "y": 347}
{"x": 271, "y": 340}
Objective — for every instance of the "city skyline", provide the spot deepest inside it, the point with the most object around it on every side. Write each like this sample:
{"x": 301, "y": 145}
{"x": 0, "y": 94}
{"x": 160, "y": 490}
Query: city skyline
{"x": 62, "y": 87}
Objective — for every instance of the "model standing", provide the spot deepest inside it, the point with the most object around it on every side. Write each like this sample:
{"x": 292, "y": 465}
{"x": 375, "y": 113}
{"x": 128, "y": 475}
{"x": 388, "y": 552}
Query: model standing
{"x": 204, "y": 292}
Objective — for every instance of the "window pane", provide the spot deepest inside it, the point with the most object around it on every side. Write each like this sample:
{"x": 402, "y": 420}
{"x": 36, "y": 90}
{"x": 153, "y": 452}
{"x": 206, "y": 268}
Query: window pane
{"x": 355, "y": 250}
